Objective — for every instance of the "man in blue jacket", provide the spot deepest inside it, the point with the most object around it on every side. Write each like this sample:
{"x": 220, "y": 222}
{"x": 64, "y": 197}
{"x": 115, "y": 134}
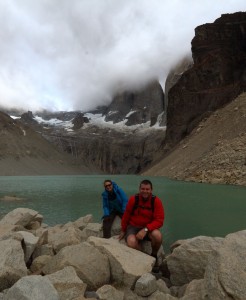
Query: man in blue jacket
{"x": 114, "y": 203}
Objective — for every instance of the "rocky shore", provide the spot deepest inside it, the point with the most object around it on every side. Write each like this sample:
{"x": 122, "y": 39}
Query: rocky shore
{"x": 73, "y": 261}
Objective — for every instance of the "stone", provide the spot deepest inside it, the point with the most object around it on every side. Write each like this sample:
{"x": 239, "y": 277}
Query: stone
{"x": 126, "y": 264}
{"x": 12, "y": 264}
{"x": 29, "y": 244}
{"x": 82, "y": 222}
{"x": 19, "y": 216}
{"x": 67, "y": 283}
{"x": 34, "y": 287}
{"x": 59, "y": 237}
{"x": 108, "y": 292}
{"x": 91, "y": 266}
{"x": 145, "y": 285}
{"x": 189, "y": 260}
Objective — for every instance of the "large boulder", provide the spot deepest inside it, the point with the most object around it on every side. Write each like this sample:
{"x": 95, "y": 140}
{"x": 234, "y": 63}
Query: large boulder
{"x": 21, "y": 216}
{"x": 91, "y": 266}
{"x": 29, "y": 243}
{"x": 12, "y": 264}
{"x": 126, "y": 264}
{"x": 189, "y": 259}
{"x": 225, "y": 275}
{"x": 34, "y": 287}
{"x": 61, "y": 236}
{"x": 67, "y": 283}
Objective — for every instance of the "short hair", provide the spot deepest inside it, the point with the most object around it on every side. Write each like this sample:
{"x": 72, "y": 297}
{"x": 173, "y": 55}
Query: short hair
{"x": 107, "y": 180}
{"x": 146, "y": 181}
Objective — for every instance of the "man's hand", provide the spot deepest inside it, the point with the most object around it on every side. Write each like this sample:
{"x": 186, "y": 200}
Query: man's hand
{"x": 121, "y": 235}
{"x": 141, "y": 234}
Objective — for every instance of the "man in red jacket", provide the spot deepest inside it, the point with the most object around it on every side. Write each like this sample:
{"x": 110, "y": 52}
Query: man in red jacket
{"x": 142, "y": 219}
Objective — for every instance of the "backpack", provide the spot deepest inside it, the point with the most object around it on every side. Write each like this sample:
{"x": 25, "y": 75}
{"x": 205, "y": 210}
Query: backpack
{"x": 136, "y": 205}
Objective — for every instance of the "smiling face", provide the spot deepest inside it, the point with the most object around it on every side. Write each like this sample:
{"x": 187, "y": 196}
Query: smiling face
{"x": 145, "y": 190}
{"x": 108, "y": 186}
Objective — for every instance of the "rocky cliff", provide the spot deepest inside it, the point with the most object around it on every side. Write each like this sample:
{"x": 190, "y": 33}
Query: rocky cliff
{"x": 25, "y": 152}
{"x": 216, "y": 78}
{"x": 138, "y": 106}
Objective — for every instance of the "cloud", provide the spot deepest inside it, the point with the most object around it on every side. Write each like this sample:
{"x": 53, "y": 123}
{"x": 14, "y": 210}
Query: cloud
{"x": 67, "y": 55}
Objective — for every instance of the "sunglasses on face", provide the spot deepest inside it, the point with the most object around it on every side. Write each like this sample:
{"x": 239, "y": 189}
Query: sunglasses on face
{"x": 107, "y": 185}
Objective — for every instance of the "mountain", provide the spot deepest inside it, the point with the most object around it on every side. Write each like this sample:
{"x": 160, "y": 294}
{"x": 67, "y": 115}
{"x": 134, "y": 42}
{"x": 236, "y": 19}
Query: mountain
{"x": 217, "y": 76}
{"x": 214, "y": 152}
{"x": 25, "y": 152}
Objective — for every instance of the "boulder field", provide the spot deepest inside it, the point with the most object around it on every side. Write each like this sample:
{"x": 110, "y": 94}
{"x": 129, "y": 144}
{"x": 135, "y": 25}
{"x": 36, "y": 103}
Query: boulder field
{"x": 73, "y": 261}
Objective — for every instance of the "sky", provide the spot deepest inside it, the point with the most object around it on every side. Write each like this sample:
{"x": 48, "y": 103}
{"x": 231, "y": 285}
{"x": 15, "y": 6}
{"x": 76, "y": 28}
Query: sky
{"x": 76, "y": 54}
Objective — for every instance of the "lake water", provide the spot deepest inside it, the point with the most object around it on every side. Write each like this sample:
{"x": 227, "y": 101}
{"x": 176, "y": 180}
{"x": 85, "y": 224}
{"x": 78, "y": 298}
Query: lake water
{"x": 191, "y": 209}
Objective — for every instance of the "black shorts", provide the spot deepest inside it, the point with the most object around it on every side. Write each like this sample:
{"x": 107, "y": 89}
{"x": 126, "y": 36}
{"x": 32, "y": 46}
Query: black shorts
{"x": 134, "y": 230}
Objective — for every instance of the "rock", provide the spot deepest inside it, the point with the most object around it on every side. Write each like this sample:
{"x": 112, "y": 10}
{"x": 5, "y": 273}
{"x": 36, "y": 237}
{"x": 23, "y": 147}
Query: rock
{"x": 189, "y": 260}
{"x": 43, "y": 250}
{"x": 216, "y": 78}
{"x": 29, "y": 244}
{"x": 20, "y": 216}
{"x": 136, "y": 106}
{"x": 82, "y": 222}
{"x": 126, "y": 264}
{"x": 225, "y": 274}
{"x": 61, "y": 236}
{"x": 195, "y": 290}
{"x": 79, "y": 121}
{"x": 161, "y": 296}
{"x": 33, "y": 287}
{"x": 12, "y": 264}
{"x": 91, "y": 266}
{"x": 108, "y": 292}
{"x": 39, "y": 262}
{"x": 67, "y": 283}
{"x": 162, "y": 287}
{"x": 92, "y": 229}
{"x": 145, "y": 285}
{"x": 8, "y": 229}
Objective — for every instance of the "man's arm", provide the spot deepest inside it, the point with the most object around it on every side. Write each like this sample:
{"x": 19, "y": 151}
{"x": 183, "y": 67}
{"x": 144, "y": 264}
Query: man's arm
{"x": 159, "y": 216}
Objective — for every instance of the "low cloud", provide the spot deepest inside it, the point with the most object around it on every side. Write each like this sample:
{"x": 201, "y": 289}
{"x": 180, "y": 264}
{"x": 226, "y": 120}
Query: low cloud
{"x": 67, "y": 55}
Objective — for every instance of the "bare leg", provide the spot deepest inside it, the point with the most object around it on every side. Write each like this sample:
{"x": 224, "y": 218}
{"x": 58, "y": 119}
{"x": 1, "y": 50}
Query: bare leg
{"x": 132, "y": 242}
{"x": 156, "y": 241}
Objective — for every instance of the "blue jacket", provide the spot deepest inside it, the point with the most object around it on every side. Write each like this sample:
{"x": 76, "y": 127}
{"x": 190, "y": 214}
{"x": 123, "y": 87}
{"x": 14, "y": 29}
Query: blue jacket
{"x": 121, "y": 197}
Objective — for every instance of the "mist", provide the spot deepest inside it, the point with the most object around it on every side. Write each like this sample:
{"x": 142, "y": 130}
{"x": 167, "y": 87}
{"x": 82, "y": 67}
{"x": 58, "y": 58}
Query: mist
{"x": 75, "y": 54}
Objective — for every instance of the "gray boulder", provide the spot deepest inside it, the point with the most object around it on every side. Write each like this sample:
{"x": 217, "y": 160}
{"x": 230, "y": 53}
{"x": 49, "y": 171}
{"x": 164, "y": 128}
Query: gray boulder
{"x": 67, "y": 283}
{"x": 145, "y": 285}
{"x": 62, "y": 236}
{"x": 108, "y": 292}
{"x": 34, "y": 287}
{"x": 91, "y": 266}
{"x": 126, "y": 264}
{"x": 189, "y": 260}
{"x": 12, "y": 264}
{"x": 29, "y": 243}
{"x": 21, "y": 216}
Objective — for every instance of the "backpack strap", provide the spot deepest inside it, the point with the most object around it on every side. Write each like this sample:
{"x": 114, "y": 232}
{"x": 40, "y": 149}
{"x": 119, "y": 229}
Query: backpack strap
{"x": 136, "y": 204}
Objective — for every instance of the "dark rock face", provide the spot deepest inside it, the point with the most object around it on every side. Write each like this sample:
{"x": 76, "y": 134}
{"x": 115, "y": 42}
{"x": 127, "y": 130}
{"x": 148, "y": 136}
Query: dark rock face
{"x": 112, "y": 151}
{"x": 137, "y": 106}
{"x": 28, "y": 118}
{"x": 79, "y": 121}
{"x": 216, "y": 78}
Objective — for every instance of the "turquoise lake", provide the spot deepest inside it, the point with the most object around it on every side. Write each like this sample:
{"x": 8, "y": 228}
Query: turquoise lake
{"x": 191, "y": 209}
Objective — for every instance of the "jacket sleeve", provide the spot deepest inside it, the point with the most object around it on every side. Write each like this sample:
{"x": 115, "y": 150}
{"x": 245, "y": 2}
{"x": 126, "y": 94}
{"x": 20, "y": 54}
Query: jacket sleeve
{"x": 159, "y": 216}
{"x": 123, "y": 197}
{"x": 127, "y": 214}
{"x": 105, "y": 205}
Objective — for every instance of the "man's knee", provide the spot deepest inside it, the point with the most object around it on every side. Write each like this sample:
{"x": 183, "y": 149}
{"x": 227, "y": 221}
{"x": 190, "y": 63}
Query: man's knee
{"x": 132, "y": 241}
{"x": 156, "y": 235}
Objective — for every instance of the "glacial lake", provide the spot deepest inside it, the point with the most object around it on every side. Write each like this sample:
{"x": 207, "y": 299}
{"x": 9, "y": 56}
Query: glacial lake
{"x": 191, "y": 209}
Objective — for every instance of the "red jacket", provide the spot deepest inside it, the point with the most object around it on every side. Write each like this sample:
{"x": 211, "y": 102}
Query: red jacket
{"x": 143, "y": 217}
